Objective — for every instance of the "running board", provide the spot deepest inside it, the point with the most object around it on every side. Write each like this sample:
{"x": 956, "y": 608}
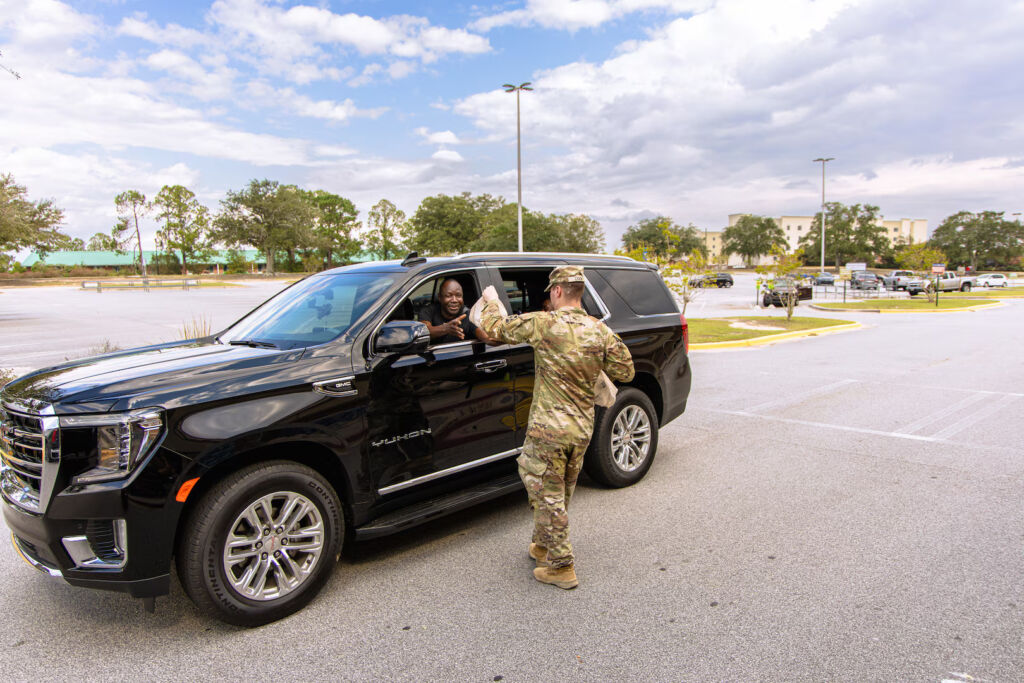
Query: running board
{"x": 436, "y": 508}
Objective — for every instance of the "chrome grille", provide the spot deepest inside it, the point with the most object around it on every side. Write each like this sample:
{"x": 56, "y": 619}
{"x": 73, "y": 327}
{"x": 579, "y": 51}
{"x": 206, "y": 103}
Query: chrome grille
{"x": 27, "y": 442}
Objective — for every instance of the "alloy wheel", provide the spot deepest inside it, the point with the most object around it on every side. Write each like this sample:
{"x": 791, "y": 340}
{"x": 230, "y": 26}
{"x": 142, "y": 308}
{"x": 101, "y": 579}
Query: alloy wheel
{"x": 631, "y": 438}
{"x": 273, "y": 546}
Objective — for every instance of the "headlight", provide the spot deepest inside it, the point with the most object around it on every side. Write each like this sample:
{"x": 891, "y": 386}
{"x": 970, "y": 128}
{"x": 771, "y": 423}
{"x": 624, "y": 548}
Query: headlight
{"x": 122, "y": 441}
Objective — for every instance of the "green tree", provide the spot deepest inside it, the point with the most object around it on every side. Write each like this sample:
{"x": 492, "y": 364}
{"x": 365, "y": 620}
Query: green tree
{"x": 385, "y": 236}
{"x": 76, "y": 244}
{"x": 101, "y": 241}
{"x": 334, "y": 227}
{"x": 973, "y": 238}
{"x": 752, "y": 237}
{"x": 27, "y": 224}
{"x": 662, "y": 238}
{"x": 131, "y": 205}
{"x": 552, "y": 232}
{"x": 852, "y": 233}
{"x": 446, "y": 224}
{"x": 266, "y": 215}
{"x": 236, "y": 263}
{"x": 579, "y": 233}
{"x": 186, "y": 223}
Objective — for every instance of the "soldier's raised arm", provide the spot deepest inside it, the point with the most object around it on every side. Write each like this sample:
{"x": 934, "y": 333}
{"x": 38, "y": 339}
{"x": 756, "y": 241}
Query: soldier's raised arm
{"x": 618, "y": 362}
{"x": 514, "y": 329}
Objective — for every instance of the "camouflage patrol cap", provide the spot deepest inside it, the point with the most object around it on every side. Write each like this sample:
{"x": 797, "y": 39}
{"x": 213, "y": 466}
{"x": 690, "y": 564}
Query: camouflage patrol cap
{"x": 564, "y": 275}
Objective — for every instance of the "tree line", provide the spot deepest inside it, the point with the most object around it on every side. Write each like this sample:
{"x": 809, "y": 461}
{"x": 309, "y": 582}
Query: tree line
{"x": 294, "y": 228}
{"x": 852, "y": 233}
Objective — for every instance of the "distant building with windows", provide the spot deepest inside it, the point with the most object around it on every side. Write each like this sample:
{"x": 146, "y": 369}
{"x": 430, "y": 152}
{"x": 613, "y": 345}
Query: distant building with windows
{"x": 902, "y": 231}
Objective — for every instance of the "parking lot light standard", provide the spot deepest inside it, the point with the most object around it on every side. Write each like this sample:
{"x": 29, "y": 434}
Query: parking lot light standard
{"x": 519, "y": 159}
{"x": 823, "y": 161}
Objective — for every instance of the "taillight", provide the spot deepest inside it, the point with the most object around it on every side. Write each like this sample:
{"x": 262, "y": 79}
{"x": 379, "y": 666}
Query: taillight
{"x": 686, "y": 332}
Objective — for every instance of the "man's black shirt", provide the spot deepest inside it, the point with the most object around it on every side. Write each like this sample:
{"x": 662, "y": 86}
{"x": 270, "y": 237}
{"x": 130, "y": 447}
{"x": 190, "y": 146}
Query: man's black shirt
{"x": 433, "y": 314}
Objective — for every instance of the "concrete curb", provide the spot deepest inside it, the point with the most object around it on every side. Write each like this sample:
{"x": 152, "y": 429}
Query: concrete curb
{"x": 772, "y": 338}
{"x": 965, "y": 309}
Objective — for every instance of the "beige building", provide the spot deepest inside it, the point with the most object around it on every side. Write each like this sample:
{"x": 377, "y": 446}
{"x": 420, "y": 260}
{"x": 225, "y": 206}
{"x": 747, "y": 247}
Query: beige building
{"x": 713, "y": 243}
{"x": 902, "y": 231}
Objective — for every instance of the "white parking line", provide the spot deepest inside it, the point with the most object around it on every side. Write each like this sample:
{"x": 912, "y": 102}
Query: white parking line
{"x": 793, "y": 399}
{"x": 948, "y": 410}
{"x": 975, "y": 417}
{"x": 826, "y": 425}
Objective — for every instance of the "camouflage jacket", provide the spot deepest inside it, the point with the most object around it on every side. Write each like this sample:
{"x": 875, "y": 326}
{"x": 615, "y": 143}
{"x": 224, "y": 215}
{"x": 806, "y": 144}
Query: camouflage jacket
{"x": 570, "y": 351}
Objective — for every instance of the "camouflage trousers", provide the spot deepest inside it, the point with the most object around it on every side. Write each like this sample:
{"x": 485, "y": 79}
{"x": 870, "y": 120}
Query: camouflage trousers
{"x": 549, "y": 471}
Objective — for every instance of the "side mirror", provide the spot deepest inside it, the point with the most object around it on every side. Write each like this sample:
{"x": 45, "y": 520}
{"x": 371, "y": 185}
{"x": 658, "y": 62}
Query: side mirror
{"x": 402, "y": 336}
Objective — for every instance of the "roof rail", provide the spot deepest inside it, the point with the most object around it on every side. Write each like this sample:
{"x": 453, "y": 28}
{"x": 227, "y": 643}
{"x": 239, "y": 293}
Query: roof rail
{"x": 477, "y": 254}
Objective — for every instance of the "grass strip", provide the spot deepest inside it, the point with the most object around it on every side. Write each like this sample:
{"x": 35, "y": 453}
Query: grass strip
{"x": 986, "y": 294}
{"x": 901, "y": 304}
{"x": 707, "y": 330}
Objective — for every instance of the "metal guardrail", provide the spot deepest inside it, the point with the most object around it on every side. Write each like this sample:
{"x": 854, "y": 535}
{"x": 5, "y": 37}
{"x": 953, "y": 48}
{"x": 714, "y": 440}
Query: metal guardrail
{"x": 144, "y": 284}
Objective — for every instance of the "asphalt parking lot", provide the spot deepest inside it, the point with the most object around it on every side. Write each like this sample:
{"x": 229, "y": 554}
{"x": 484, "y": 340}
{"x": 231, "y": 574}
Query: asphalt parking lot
{"x": 845, "y": 507}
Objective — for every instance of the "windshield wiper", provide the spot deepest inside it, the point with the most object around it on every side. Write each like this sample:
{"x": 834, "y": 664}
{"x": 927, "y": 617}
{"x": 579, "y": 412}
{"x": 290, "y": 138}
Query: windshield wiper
{"x": 254, "y": 343}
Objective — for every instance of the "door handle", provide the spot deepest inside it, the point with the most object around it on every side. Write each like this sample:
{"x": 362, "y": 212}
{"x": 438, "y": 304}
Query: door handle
{"x": 491, "y": 365}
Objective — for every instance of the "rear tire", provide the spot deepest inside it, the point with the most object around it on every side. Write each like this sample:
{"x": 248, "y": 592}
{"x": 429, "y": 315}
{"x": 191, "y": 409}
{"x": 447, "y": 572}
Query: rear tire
{"x": 261, "y": 543}
{"x": 965, "y": 287}
{"x": 625, "y": 440}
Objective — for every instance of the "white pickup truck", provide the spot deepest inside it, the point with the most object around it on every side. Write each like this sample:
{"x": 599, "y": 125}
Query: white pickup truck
{"x": 949, "y": 281}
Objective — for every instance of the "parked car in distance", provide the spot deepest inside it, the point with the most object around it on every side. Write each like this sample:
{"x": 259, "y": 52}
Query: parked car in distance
{"x": 862, "y": 279}
{"x": 947, "y": 282}
{"x": 712, "y": 280}
{"x": 992, "y": 280}
{"x": 775, "y": 291}
{"x": 824, "y": 278}
{"x": 898, "y": 279}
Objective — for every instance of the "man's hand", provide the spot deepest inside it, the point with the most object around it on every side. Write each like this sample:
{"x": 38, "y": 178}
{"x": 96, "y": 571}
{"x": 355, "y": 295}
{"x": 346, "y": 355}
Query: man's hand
{"x": 490, "y": 294}
{"x": 453, "y": 327}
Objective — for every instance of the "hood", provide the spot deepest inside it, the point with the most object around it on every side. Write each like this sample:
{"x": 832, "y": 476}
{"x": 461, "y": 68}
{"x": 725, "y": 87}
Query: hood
{"x": 128, "y": 378}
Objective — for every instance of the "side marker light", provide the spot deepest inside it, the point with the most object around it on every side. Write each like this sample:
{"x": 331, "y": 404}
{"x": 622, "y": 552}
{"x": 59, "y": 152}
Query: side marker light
{"x": 185, "y": 489}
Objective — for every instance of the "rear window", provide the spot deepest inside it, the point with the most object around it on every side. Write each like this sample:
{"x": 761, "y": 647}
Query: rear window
{"x": 642, "y": 290}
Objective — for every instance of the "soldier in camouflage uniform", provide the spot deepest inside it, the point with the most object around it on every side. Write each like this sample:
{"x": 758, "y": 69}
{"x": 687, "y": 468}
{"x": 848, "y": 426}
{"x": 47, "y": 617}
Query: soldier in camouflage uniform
{"x": 571, "y": 349}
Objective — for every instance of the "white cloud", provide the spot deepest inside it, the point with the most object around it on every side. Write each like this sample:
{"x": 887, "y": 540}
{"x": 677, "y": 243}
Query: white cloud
{"x": 302, "y": 105}
{"x": 447, "y": 155}
{"x": 441, "y": 137}
{"x": 573, "y": 15}
{"x": 297, "y": 42}
{"x": 138, "y": 26}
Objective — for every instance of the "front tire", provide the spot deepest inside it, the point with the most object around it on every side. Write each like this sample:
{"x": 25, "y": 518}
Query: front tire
{"x": 966, "y": 287}
{"x": 261, "y": 544}
{"x": 625, "y": 440}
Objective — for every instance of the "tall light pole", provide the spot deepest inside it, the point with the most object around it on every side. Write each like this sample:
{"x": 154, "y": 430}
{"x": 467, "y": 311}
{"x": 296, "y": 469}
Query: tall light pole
{"x": 823, "y": 161}
{"x": 519, "y": 157}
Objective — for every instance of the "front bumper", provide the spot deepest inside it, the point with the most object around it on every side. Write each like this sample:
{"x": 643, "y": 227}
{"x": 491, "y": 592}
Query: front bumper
{"x": 41, "y": 542}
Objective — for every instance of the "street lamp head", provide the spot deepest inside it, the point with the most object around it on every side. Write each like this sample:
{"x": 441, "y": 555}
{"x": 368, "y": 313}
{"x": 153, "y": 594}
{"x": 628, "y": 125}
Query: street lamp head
{"x": 512, "y": 88}
{"x": 825, "y": 159}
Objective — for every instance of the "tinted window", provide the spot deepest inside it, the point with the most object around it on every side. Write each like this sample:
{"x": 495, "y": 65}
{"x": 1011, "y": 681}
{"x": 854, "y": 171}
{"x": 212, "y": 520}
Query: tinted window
{"x": 525, "y": 287}
{"x": 642, "y": 290}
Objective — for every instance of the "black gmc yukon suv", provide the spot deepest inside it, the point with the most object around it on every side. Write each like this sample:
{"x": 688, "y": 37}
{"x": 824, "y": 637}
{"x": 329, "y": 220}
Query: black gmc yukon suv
{"x": 323, "y": 416}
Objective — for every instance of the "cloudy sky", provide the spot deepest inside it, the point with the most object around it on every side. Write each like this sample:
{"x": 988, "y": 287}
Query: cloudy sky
{"x": 690, "y": 108}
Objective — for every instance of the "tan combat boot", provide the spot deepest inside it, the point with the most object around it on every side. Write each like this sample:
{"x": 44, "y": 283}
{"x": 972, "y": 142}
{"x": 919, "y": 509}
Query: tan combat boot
{"x": 563, "y": 577}
{"x": 539, "y": 553}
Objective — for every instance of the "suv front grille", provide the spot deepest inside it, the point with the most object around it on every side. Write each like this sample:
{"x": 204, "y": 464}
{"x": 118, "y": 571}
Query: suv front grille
{"x": 27, "y": 442}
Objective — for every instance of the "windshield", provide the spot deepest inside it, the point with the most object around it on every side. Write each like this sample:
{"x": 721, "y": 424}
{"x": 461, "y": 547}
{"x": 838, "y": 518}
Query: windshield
{"x": 312, "y": 311}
